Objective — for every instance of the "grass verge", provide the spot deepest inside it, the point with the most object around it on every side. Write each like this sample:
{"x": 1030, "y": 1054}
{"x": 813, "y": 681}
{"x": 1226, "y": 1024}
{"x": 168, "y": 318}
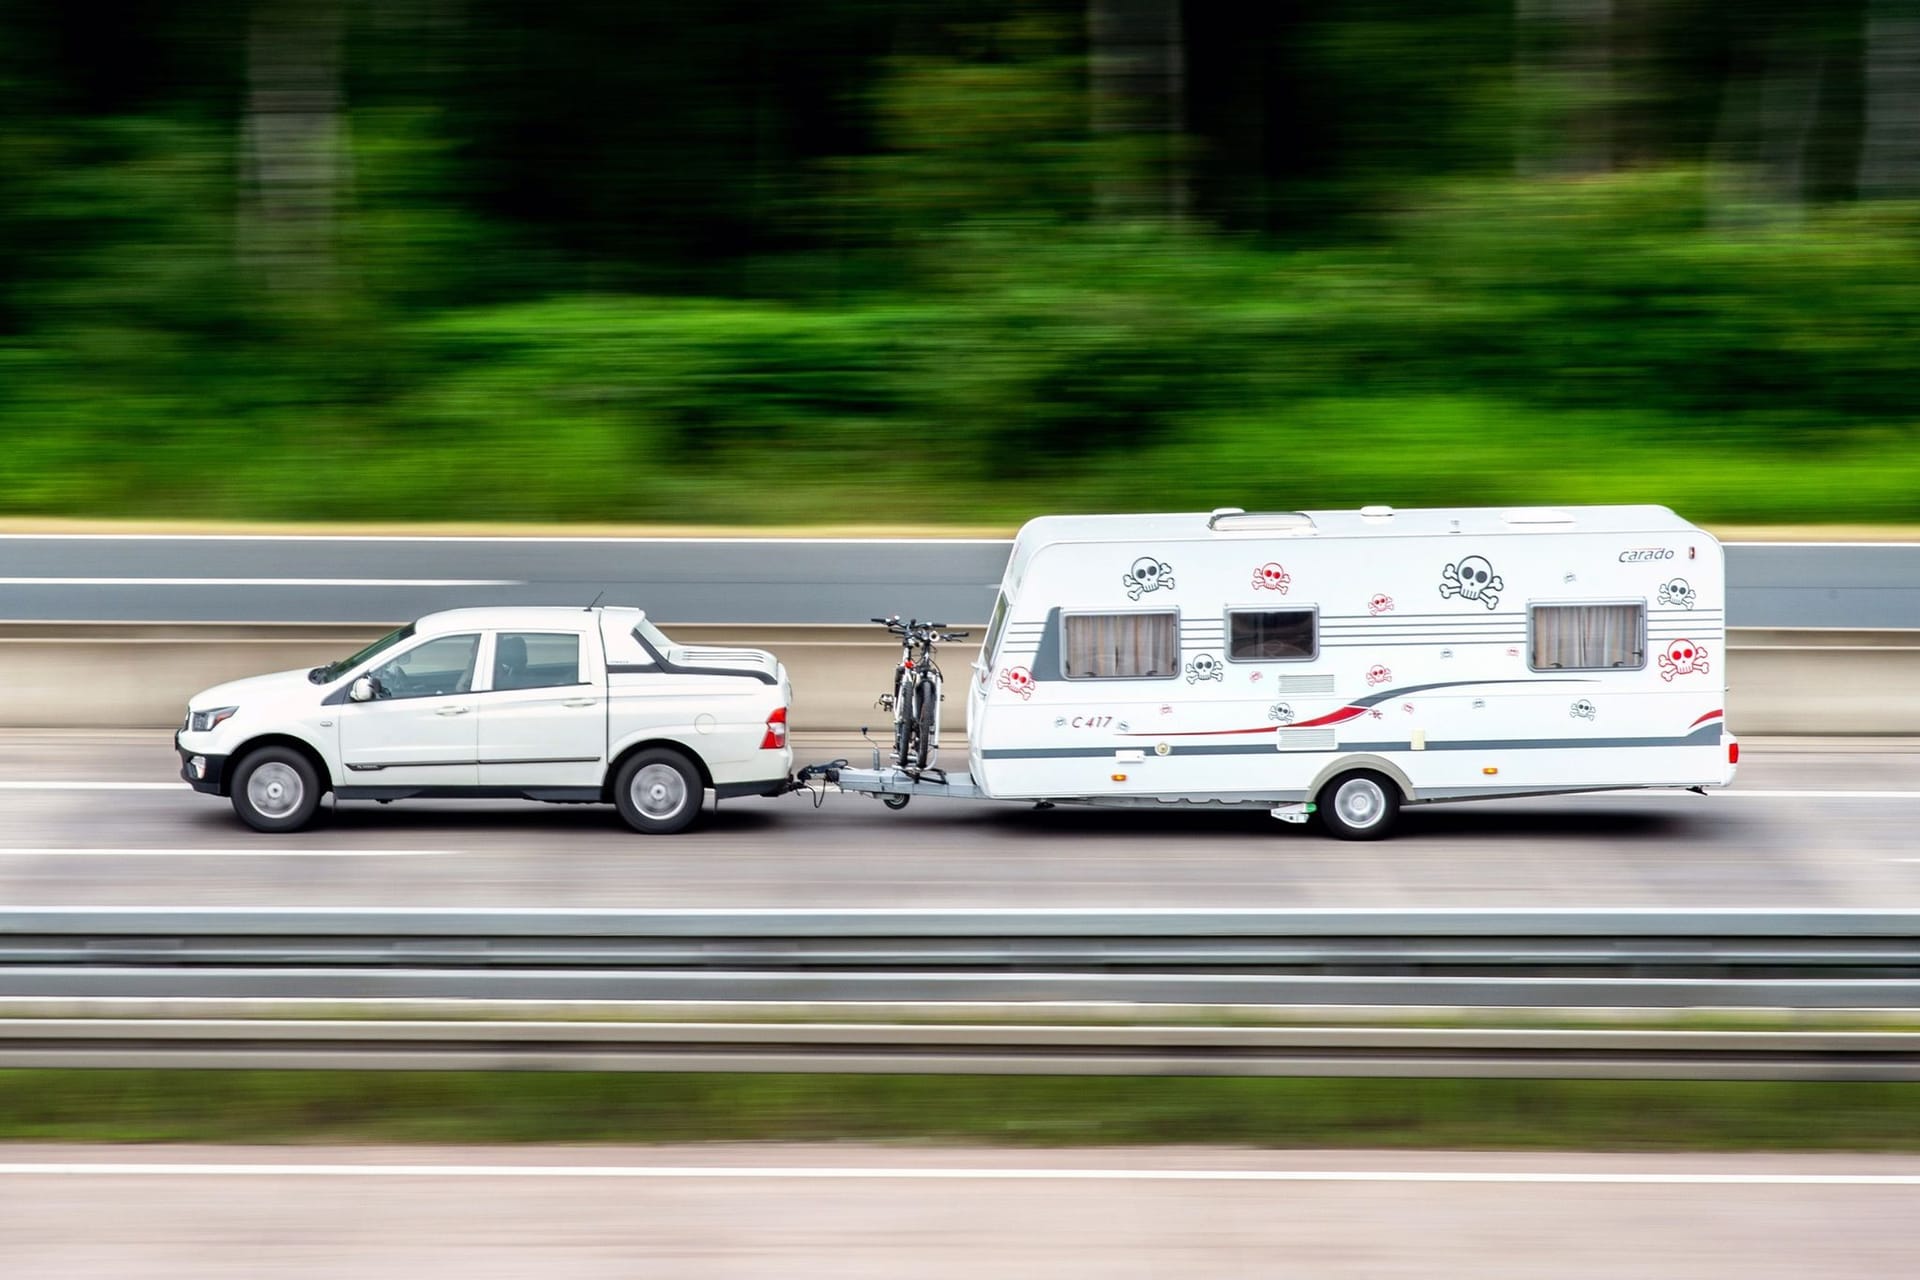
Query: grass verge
{"x": 509, "y": 1107}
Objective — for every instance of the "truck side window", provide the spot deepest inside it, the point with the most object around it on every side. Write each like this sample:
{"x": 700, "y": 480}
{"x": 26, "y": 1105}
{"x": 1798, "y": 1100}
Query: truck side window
{"x": 435, "y": 669}
{"x": 535, "y": 660}
{"x": 1120, "y": 646}
{"x": 1588, "y": 637}
{"x": 1272, "y": 635}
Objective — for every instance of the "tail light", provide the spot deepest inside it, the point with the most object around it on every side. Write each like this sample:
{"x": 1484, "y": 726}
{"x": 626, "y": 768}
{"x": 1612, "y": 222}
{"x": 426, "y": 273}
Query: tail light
{"x": 1733, "y": 753}
{"x": 776, "y": 731}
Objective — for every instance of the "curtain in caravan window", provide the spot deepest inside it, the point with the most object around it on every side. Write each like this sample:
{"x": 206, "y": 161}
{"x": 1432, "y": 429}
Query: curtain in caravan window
{"x": 1121, "y": 646}
{"x": 1588, "y": 637}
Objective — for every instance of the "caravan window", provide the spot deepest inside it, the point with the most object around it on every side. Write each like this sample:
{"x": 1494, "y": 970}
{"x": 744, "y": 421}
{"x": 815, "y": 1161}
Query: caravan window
{"x": 1272, "y": 635}
{"x": 991, "y": 645}
{"x": 1588, "y": 637}
{"x": 1120, "y": 646}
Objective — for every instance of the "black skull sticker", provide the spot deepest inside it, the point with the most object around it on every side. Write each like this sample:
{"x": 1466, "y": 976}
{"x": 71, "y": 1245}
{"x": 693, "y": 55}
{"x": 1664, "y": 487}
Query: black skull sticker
{"x": 1147, "y": 574}
{"x": 1205, "y": 667}
{"x": 1472, "y": 579}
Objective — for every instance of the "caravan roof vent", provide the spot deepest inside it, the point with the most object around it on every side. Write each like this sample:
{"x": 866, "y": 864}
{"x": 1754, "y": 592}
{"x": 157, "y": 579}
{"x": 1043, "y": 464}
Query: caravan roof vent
{"x": 1291, "y": 522}
{"x": 1376, "y": 512}
{"x": 1536, "y": 515}
{"x": 1228, "y": 511}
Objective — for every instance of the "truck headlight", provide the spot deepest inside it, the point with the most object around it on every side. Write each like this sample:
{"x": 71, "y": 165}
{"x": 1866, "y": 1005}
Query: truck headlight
{"x": 206, "y": 721}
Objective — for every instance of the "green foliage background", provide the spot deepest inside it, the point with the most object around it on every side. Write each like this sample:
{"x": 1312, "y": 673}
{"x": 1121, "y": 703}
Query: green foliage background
{"x": 851, "y": 271}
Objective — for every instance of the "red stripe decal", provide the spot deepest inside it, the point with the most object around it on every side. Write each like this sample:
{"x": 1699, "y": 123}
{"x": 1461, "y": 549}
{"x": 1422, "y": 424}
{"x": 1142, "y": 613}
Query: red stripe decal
{"x": 1711, "y": 715}
{"x": 1332, "y": 717}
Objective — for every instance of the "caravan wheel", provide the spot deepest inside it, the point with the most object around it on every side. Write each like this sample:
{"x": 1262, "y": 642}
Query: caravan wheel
{"x": 1359, "y": 806}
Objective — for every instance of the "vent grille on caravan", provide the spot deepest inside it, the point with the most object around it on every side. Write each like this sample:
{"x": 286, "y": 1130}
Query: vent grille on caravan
{"x": 1305, "y": 739}
{"x": 1305, "y": 684}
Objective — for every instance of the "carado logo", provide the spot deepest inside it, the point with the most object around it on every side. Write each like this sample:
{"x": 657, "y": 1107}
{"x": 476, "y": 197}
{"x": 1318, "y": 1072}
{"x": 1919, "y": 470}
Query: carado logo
{"x": 1640, "y": 555}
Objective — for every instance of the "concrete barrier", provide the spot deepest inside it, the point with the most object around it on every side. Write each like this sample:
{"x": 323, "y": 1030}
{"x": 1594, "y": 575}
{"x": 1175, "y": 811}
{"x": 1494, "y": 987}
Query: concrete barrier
{"x": 126, "y": 676}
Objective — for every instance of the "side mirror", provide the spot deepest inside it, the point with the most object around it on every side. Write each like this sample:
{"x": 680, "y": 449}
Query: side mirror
{"x": 363, "y": 690}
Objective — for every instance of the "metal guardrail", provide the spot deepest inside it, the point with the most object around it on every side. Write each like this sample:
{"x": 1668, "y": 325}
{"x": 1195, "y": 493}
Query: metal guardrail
{"x": 1533, "y": 957}
{"x": 1017, "y": 1050}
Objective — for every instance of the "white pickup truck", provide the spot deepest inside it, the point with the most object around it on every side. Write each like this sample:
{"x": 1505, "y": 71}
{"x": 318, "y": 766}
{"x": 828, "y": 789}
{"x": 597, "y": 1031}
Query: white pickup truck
{"x": 552, "y": 704}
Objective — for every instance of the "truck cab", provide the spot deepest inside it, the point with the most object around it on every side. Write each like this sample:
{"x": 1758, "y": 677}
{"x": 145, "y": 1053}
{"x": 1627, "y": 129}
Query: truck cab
{"x": 550, "y": 704}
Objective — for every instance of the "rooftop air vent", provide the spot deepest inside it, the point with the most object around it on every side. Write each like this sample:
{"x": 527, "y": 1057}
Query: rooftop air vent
{"x": 1376, "y": 512}
{"x": 1292, "y": 522}
{"x": 1536, "y": 515}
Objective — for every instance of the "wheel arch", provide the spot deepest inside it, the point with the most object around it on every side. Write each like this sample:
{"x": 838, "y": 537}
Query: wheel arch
{"x": 313, "y": 754}
{"x": 633, "y": 749}
{"x": 1373, "y": 764}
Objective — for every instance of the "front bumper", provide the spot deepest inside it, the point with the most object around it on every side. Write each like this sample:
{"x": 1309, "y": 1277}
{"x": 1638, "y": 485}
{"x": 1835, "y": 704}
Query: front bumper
{"x": 209, "y": 776}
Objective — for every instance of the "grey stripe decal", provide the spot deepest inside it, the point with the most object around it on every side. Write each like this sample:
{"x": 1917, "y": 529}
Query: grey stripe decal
{"x": 549, "y": 760}
{"x": 675, "y": 669}
{"x": 1705, "y": 736}
{"x": 413, "y": 764}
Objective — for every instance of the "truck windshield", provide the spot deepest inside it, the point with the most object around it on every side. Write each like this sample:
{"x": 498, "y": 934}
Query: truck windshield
{"x": 332, "y": 671}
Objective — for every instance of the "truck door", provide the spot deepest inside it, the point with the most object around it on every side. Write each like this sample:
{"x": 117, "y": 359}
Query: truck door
{"x": 419, "y": 731}
{"x": 543, "y": 715}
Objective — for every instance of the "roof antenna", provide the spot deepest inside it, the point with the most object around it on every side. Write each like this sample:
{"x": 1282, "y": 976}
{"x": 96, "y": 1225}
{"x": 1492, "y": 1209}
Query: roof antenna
{"x": 596, "y": 600}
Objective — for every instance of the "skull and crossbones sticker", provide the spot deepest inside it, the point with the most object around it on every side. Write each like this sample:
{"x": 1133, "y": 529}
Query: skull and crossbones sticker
{"x": 1017, "y": 681}
{"x": 1380, "y": 604}
{"x": 1147, "y": 574}
{"x": 1205, "y": 667}
{"x": 1678, "y": 592}
{"x": 1272, "y": 577}
{"x": 1472, "y": 579}
{"x": 1683, "y": 658}
{"x": 1583, "y": 710}
{"x": 1378, "y": 675}
{"x": 1280, "y": 713}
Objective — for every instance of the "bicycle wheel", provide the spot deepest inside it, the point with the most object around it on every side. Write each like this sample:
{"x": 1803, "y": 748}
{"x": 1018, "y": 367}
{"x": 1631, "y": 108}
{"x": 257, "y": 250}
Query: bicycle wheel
{"x": 925, "y": 697}
{"x": 903, "y": 708}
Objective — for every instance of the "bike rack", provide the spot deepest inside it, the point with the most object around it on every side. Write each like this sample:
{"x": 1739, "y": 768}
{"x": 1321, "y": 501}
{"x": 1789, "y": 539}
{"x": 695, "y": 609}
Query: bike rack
{"x": 890, "y": 781}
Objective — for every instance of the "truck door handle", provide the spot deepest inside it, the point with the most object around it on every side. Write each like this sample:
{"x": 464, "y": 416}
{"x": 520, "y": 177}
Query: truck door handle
{"x": 581, "y": 702}
{"x": 453, "y": 711}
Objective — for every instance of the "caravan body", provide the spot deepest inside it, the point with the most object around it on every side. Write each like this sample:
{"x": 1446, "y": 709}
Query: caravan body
{"x": 1239, "y": 658}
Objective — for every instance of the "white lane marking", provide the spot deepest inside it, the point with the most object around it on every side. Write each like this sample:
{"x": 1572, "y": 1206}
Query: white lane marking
{"x": 1744, "y": 792}
{"x": 225, "y": 853}
{"x": 913, "y": 1174}
{"x": 28, "y": 785}
{"x": 1789, "y": 794}
{"x": 262, "y": 582}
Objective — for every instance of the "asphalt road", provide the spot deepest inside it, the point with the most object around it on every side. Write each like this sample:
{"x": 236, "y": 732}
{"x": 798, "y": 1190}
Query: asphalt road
{"x": 99, "y": 820}
{"x": 844, "y": 1213}
{"x": 370, "y": 580}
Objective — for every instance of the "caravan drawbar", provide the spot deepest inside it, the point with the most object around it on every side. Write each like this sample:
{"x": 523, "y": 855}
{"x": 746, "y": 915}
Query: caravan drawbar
{"x": 1345, "y": 663}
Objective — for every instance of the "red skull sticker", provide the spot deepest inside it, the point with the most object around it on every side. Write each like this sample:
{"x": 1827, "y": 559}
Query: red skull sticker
{"x": 1683, "y": 658}
{"x": 1380, "y": 604}
{"x": 1271, "y": 577}
{"x": 1017, "y": 680}
{"x": 1378, "y": 675}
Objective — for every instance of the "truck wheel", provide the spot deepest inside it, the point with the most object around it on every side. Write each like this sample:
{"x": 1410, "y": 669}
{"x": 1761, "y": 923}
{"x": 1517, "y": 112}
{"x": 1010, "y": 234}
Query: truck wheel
{"x": 1360, "y": 805}
{"x": 276, "y": 789}
{"x": 658, "y": 792}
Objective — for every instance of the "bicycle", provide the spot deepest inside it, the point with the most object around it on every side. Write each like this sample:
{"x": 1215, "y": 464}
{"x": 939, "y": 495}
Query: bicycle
{"x": 915, "y": 700}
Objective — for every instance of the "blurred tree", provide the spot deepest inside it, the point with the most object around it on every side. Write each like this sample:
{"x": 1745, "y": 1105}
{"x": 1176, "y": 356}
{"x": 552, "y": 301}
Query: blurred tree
{"x": 295, "y": 145}
{"x": 1890, "y": 150}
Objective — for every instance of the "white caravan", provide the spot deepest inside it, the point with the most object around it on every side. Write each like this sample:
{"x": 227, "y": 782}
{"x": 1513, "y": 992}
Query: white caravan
{"x": 1351, "y": 661}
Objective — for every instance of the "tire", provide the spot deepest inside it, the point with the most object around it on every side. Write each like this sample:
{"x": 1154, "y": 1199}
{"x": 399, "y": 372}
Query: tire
{"x": 659, "y": 792}
{"x": 903, "y": 696}
{"x": 924, "y": 711}
{"x": 895, "y": 803}
{"x": 276, "y": 790}
{"x": 1359, "y": 805}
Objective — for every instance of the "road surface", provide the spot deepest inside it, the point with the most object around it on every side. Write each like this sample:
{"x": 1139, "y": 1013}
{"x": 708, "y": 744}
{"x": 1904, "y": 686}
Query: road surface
{"x": 162, "y": 578}
{"x": 100, "y": 819}
{"x": 846, "y": 1213}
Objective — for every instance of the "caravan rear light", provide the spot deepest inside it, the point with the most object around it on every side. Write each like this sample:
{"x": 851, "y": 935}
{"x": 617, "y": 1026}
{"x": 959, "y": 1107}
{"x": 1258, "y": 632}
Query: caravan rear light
{"x": 776, "y": 731}
{"x": 1733, "y": 753}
